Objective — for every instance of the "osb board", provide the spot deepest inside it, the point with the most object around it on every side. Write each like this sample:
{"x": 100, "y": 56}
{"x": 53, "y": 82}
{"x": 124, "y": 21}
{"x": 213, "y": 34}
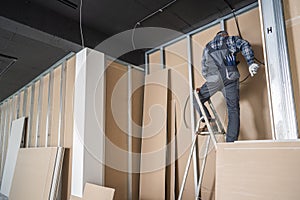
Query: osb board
{"x": 253, "y": 92}
{"x": 55, "y": 107}
{"x": 154, "y": 62}
{"x": 153, "y": 161}
{"x": 137, "y": 97}
{"x": 116, "y": 128}
{"x": 43, "y": 113}
{"x": 264, "y": 170}
{"x": 33, "y": 125}
{"x": 292, "y": 20}
{"x": 36, "y": 165}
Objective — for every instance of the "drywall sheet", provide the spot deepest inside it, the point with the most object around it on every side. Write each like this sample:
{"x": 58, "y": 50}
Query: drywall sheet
{"x": 153, "y": 161}
{"x": 34, "y": 173}
{"x": 176, "y": 60}
{"x": 155, "y": 63}
{"x": 55, "y": 108}
{"x": 95, "y": 192}
{"x": 88, "y": 126}
{"x": 253, "y": 92}
{"x": 68, "y": 128}
{"x": 292, "y": 22}
{"x": 42, "y": 132}
{"x": 258, "y": 170}
{"x": 116, "y": 129}
{"x": 137, "y": 96}
{"x": 17, "y": 129}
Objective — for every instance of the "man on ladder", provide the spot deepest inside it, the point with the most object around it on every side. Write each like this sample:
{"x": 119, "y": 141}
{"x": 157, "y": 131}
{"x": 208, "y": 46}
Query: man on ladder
{"x": 219, "y": 68}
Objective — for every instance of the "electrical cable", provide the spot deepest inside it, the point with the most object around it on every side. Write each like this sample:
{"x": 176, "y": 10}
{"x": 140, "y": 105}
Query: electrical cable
{"x": 240, "y": 35}
{"x": 80, "y": 24}
{"x": 147, "y": 17}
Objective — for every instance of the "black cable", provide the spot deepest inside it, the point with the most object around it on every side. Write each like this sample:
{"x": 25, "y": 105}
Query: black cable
{"x": 7, "y": 68}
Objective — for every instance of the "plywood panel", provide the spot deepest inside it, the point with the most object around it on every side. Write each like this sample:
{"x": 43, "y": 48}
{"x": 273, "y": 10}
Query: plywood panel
{"x": 116, "y": 129}
{"x": 153, "y": 161}
{"x": 258, "y": 170}
{"x": 154, "y": 62}
{"x": 253, "y": 92}
{"x": 43, "y": 112}
{"x": 55, "y": 107}
{"x": 292, "y": 19}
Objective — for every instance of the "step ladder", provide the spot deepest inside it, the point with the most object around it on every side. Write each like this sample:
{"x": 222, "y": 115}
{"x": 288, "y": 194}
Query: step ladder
{"x": 211, "y": 136}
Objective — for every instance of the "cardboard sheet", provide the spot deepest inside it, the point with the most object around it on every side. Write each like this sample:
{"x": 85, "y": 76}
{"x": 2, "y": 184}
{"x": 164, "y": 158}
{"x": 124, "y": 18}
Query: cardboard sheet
{"x": 153, "y": 161}
{"x": 34, "y": 173}
{"x": 258, "y": 170}
{"x": 14, "y": 142}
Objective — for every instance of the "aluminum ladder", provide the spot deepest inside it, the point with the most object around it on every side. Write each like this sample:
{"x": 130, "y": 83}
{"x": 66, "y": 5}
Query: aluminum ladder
{"x": 211, "y": 135}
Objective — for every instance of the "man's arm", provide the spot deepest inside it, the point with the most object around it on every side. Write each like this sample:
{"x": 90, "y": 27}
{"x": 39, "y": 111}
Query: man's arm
{"x": 246, "y": 49}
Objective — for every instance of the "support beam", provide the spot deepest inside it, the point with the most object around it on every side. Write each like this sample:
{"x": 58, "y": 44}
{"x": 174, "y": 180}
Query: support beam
{"x": 281, "y": 98}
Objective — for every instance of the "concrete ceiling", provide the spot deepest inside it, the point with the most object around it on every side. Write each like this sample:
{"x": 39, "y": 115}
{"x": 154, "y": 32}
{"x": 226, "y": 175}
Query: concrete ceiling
{"x": 40, "y": 32}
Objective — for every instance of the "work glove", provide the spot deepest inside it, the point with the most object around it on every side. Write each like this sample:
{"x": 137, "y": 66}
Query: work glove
{"x": 253, "y": 69}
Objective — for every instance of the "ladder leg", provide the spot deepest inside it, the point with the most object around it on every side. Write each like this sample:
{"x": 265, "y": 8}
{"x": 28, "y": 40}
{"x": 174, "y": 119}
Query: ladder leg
{"x": 187, "y": 167}
{"x": 202, "y": 167}
{"x": 211, "y": 133}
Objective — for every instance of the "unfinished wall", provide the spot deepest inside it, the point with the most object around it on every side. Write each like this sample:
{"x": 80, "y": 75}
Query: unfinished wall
{"x": 255, "y": 117}
{"x": 292, "y": 20}
{"x": 124, "y": 95}
{"x": 41, "y": 102}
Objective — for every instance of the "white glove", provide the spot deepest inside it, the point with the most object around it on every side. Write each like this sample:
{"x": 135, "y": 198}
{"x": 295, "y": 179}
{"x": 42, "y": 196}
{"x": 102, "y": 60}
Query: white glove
{"x": 253, "y": 69}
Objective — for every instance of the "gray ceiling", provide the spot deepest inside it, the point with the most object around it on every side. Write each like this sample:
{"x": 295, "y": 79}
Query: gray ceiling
{"x": 40, "y": 32}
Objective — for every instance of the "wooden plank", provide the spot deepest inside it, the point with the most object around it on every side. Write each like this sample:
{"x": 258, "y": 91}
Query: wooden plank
{"x": 154, "y": 62}
{"x": 43, "y": 112}
{"x": 34, "y": 114}
{"x": 153, "y": 161}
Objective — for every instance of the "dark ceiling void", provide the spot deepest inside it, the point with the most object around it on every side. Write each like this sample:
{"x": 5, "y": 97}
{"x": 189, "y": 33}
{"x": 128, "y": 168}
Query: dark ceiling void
{"x": 40, "y": 32}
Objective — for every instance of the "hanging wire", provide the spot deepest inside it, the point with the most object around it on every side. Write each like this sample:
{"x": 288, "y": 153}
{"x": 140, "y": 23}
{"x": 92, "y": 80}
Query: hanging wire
{"x": 80, "y": 24}
{"x": 147, "y": 17}
{"x": 240, "y": 35}
{"x": 7, "y": 68}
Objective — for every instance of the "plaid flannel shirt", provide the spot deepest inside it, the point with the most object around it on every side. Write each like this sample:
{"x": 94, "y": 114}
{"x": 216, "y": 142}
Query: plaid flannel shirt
{"x": 235, "y": 44}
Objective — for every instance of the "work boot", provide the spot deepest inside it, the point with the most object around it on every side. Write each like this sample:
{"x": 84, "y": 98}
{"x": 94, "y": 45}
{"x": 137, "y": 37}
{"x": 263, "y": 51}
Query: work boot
{"x": 204, "y": 129}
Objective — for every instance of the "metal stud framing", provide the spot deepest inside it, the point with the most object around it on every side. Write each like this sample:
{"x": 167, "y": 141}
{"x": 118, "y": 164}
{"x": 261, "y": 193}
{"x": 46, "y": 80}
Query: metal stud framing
{"x": 38, "y": 117}
{"x": 62, "y": 105}
{"x": 49, "y": 112}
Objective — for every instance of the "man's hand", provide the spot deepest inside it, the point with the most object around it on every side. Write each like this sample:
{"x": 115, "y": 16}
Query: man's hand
{"x": 197, "y": 90}
{"x": 253, "y": 69}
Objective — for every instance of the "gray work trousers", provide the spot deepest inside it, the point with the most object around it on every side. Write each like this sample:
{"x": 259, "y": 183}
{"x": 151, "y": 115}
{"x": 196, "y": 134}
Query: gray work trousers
{"x": 230, "y": 90}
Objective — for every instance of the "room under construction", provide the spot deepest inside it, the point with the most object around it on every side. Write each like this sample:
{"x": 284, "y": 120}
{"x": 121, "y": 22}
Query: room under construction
{"x": 106, "y": 100}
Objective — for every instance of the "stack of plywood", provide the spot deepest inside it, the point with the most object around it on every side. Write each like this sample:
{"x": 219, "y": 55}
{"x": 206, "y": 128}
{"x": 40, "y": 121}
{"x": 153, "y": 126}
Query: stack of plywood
{"x": 95, "y": 192}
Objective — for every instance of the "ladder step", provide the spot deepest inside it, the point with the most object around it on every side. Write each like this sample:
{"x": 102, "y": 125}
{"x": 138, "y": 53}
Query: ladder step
{"x": 207, "y": 133}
